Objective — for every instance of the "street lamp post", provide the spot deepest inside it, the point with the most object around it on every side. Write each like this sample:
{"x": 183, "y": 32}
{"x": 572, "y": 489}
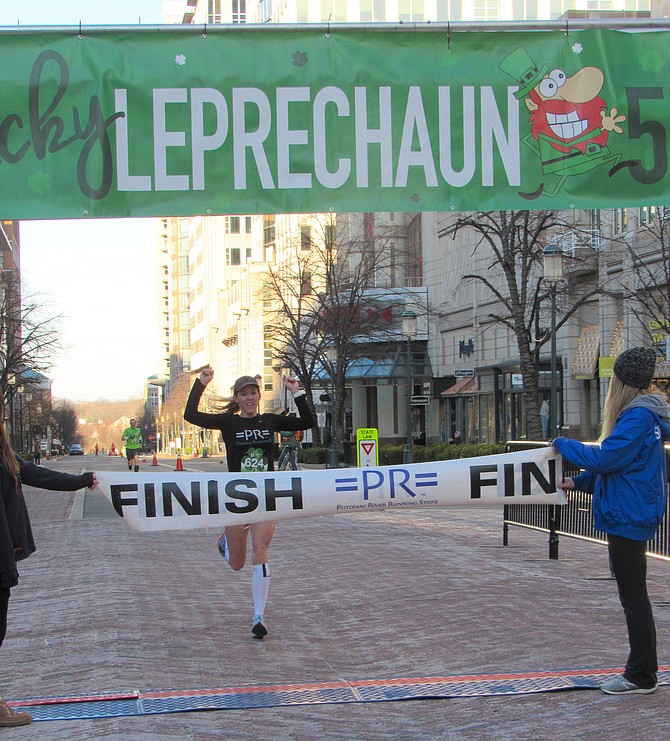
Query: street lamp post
{"x": 409, "y": 333}
{"x": 333, "y": 457}
{"x": 553, "y": 273}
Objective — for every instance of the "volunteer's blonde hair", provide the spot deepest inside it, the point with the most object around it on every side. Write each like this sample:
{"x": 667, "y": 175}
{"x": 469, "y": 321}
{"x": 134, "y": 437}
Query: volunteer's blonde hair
{"x": 619, "y": 396}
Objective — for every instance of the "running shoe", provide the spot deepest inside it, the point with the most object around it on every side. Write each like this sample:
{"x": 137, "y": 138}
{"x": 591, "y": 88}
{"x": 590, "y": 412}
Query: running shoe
{"x": 223, "y": 547}
{"x": 259, "y": 630}
{"x": 621, "y": 686}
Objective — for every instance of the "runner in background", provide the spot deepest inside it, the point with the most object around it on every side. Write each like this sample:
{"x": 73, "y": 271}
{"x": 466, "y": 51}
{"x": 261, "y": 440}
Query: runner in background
{"x": 132, "y": 437}
{"x": 290, "y": 445}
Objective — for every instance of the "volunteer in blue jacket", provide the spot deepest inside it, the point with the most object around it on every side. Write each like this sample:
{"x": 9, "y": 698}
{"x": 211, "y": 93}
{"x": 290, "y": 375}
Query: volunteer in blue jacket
{"x": 626, "y": 473}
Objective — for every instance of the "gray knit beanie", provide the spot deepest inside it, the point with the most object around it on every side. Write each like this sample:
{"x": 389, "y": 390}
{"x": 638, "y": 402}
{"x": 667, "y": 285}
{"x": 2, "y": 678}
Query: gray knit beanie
{"x": 635, "y": 367}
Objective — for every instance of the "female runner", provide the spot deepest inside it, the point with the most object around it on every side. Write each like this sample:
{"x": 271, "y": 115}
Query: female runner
{"x": 250, "y": 446}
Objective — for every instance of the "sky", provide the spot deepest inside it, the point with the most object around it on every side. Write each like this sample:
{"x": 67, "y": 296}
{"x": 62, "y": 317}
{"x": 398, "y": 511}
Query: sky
{"x": 99, "y": 274}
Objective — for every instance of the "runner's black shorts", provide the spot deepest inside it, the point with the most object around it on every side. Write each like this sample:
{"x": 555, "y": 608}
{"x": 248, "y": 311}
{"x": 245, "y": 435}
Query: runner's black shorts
{"x": 132, "y": 452}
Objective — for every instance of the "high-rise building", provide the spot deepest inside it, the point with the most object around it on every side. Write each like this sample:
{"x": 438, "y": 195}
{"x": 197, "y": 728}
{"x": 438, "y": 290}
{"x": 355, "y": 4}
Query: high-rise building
{"x": 463, "y": 359}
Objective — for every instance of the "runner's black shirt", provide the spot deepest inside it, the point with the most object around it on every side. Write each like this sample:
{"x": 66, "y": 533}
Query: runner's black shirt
{"x": 250, "y": 442}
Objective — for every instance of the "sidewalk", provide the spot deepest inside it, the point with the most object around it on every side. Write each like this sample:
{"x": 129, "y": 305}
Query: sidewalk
{"x": 101, "y": 609}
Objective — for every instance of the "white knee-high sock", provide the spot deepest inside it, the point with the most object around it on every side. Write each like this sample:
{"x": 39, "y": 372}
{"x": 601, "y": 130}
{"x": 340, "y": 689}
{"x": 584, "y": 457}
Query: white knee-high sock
{"x": 260, "y": 586}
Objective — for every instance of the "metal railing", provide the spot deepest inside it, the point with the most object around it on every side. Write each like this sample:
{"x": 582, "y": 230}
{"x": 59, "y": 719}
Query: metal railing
{"x": 575, "y": 518}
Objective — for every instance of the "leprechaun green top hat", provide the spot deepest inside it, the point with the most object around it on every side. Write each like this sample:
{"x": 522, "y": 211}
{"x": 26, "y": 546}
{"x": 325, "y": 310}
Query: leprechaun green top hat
{"x": 520, "y": 66}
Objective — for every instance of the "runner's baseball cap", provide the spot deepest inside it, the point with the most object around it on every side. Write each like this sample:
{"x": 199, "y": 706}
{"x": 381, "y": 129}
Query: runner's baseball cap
{"x": 243, "y": 381}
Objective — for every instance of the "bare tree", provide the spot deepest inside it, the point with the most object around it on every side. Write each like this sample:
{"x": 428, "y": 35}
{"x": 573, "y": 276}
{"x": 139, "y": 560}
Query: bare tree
{"x": 648, "y": 294}
{"x": 332, "y": 302}
{"x": 28, "y": 342}
{"x": 146, "y": 421}
{"x": 65, "y": 422}
{"x": 513, "y": 243}
{"x": 172, "y": 411}
{"x": 28, "y": 339}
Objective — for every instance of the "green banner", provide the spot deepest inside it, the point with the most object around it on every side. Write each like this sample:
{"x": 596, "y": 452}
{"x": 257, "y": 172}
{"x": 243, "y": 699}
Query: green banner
{"x": 165, "y": 123}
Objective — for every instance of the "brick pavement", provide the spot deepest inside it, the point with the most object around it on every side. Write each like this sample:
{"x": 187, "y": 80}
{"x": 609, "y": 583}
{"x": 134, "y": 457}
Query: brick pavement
{"x": 371, "y": 595}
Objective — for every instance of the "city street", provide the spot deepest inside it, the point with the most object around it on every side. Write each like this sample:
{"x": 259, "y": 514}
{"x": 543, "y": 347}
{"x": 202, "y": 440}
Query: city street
{"x": 101, "y": 609}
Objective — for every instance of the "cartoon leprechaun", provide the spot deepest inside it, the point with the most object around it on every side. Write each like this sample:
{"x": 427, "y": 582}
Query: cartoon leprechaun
{"x": 570, "y": 124}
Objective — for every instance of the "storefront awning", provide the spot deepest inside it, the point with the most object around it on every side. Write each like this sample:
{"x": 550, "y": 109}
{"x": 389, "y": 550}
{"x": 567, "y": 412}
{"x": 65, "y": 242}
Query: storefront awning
{"x": 588, "y": 349}
{"x": 467, "y": 386}
{"x": 386, "y": 367}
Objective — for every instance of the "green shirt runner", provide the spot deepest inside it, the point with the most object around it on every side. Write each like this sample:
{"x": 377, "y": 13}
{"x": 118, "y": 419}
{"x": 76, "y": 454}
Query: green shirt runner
{"x": 133, "y": 438}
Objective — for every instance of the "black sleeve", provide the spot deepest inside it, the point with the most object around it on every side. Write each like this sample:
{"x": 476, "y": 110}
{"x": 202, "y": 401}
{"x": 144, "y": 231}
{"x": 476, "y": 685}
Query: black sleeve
{"x": 45, "y": 478}
{"x": 303, "y": 422}
{"x": 202, "y": 419}
{"x": 9, "y": 575}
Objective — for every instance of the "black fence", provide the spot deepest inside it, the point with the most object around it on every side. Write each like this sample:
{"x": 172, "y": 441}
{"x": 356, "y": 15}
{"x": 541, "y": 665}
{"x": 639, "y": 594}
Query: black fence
{"x": 574, "y": 519}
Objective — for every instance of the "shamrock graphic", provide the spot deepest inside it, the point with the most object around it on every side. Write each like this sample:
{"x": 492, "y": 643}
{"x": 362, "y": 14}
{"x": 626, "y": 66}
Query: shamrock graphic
{"x": 299, "y": 58}
{"x": 254, "y": 460}
{"x": 39, "y": 183}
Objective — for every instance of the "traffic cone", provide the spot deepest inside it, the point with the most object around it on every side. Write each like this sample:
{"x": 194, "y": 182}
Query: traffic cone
{"x": 154, "y": 462}
{"x": 180, "y": 465}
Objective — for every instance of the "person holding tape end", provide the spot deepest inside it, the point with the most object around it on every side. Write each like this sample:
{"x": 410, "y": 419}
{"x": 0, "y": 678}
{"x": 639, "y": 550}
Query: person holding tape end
{"x": 250, "y": 446}
{"x": 16, "y": 537}
{"x": 626, "y": 473}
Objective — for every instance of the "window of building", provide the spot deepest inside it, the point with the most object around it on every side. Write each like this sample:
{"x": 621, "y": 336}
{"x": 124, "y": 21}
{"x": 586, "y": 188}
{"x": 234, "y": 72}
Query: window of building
{"x": 372, "y": 10}
{"x": 265, "y": 14}
{"x": 620, "y": 220}
{"x": 305, "y": 283}
{"x": 369, "y": 229}
{"x": 247, "y": 224}
{"x": 334, "y": 10}
{"x": 233, "y": 256}
{"x": 329, "y": 235}
{"x": 486, "y": 10}
{"x": 268, "y": 353}
{"x": 305, "y": 237}
{"x": 410, "y": 10}
{"x": 302, "y": 11}
{"x": 647, "y": 214}
{"x": 268, "y": 236}
{"x": 232, "y": 224}
{"x": 214, "y": 11}
{"x": 414, "y": 253}
{"x": 239, "y": 11}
